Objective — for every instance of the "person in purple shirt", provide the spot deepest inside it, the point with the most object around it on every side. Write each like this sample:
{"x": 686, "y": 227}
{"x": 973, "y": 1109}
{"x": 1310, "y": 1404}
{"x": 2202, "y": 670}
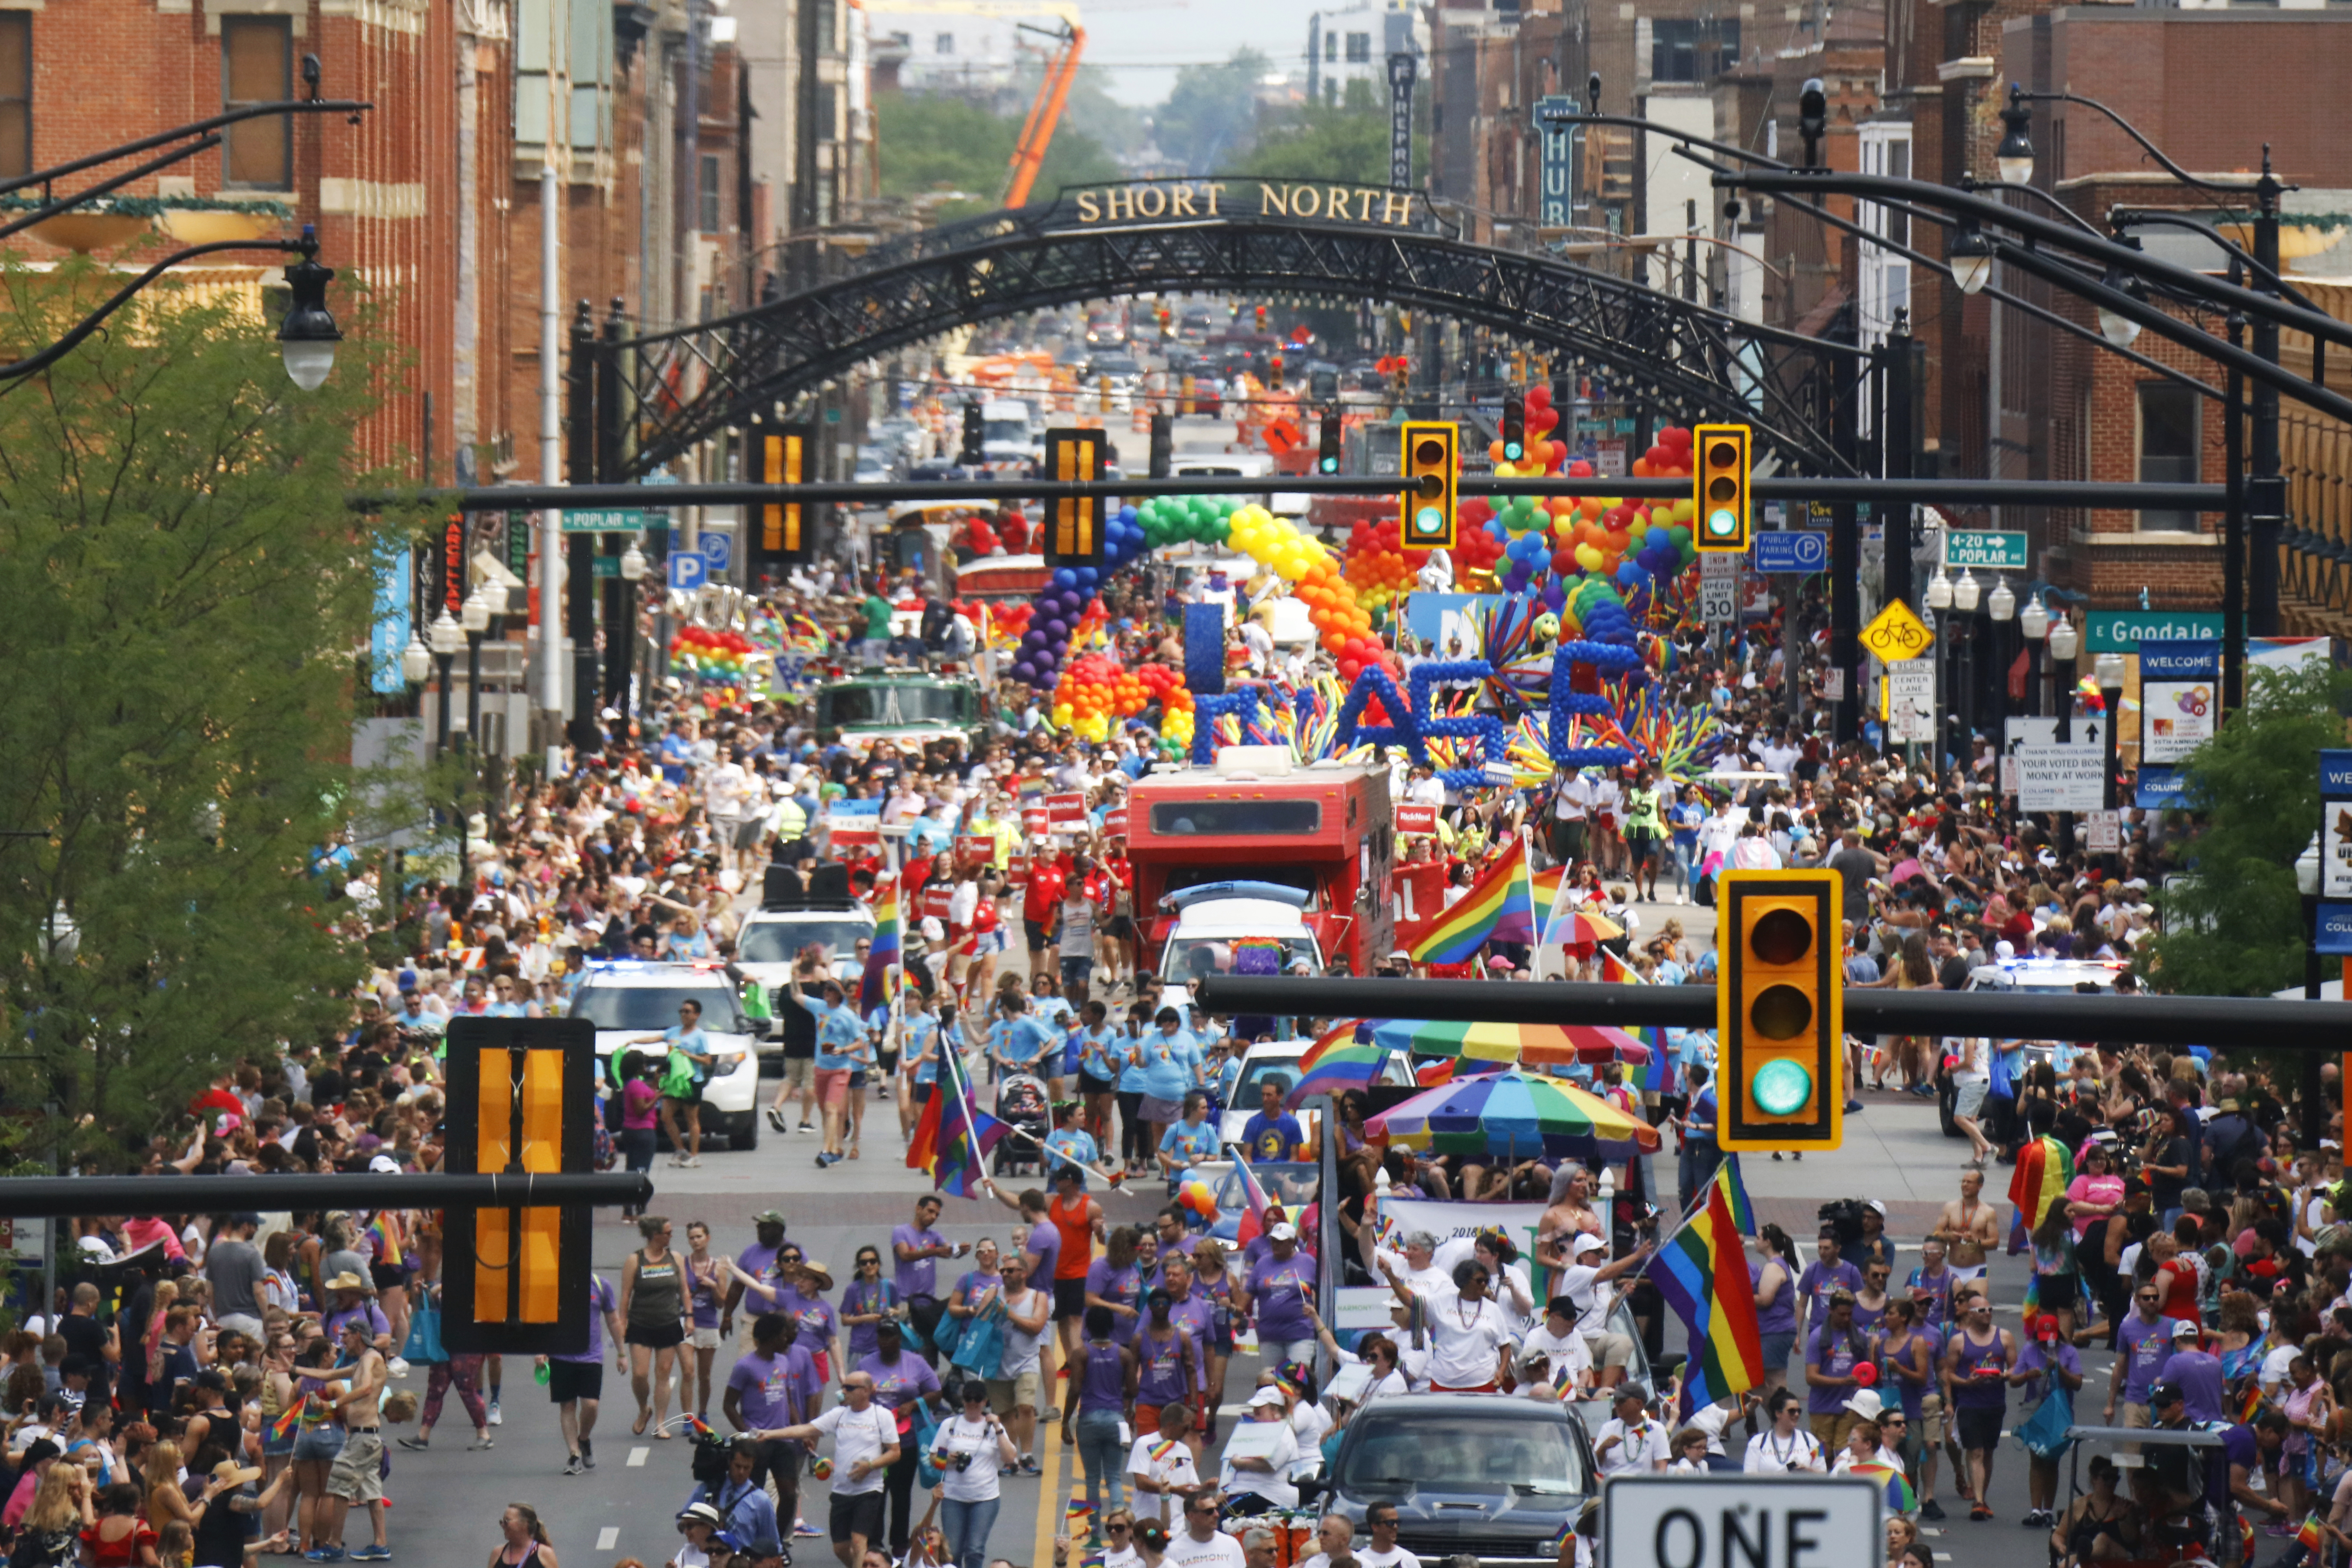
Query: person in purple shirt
{"x": 759, "y": 1261}
{"x": 1278, "y": 1286}
{"x": 1113, "y": 1281}
{"x": 2145, "y": 1343}
{"x": 867, "y": 1303}
{"x": 576, "y": 1382}
{"x": 1189, "y": 1307}
{"x": 2196, "y": 1371}
{"x": 1826, "y": 1273}
{"x": 1045, "y": 1243}
{"x": 916, "y": 1248}
{"x": 2047, "y": 1366}
{"x": 901, "y": 1381}
{"x": 1832, "y": 1354}
{"x": 773, "y": 1385}
{"x": 1168, "y": 1367}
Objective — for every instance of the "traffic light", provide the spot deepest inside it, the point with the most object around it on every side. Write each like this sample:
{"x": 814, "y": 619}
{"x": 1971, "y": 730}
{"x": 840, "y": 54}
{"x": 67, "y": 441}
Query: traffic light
{"x": 1074, "y": 531}
{"x": 780, "y": 455}
{"x": 1327, "y": 460}
{"x": 1163, "y": 446}
{"x": 1719, "y": 480}
{"x": 1428, "y": 465}
{"x": 1779, "y": 1010}
{"x": 1514, "y": 426}
{"x": 971, "y": 456}
{"x": 1261, "y": 318}
{"x": 1274, "y": 374}
{"x": 521, "y": 1102}
{"x": 1167, "y": 323}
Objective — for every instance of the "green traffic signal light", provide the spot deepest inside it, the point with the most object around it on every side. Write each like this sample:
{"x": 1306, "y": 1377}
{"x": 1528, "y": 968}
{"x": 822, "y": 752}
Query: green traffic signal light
{"x": 1513, "y": 450}
{"x": 1723, "y": 523}
{"x": 1780, "y": 1087}
{"x": 1429, "y": 519}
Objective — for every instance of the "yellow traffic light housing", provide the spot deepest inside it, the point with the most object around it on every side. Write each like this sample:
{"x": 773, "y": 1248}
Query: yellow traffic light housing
{"x": 1721, "y": 462}
{"x": 522, "y": 1103}
{"x": 779, "y": 456}
{"x": 1779, "y": 1010}
{"x": 1429, "y": 464}
{"x": 1073, "y": 524}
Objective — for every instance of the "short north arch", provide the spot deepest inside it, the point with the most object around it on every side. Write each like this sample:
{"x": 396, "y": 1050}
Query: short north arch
{"x": 1233, "y": 235}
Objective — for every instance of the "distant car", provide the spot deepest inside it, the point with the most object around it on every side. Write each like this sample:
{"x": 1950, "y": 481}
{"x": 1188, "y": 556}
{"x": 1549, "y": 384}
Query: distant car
{"x": 873, "y": 468}
{"x": 1498, "y": 1479}
{"x": 2049, "y": 977}
{"x": 1280, "y": 1058}
{"x": 627, "y": 997}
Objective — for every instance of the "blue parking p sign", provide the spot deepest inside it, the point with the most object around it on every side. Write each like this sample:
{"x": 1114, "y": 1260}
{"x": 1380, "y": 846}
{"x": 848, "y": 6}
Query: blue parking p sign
{"x": 685, "y": 571}
{"x": 718, "y": 552}
{"x": 1791, "y": 550}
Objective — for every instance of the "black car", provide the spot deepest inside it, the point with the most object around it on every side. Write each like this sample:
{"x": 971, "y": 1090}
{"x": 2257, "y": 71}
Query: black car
{"x": 1496, "y": 1478}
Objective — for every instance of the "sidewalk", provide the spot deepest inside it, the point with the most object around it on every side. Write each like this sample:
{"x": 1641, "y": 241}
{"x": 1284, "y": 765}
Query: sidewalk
{"x": 1894, "y": 1151}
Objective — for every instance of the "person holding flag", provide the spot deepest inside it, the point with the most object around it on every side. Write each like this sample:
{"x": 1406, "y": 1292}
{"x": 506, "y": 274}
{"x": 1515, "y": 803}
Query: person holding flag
{"x": 841, "y": 1049}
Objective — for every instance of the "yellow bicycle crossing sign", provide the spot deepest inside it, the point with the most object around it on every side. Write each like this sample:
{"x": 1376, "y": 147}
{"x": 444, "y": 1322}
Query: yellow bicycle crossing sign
{"x": 1896, "y": 632}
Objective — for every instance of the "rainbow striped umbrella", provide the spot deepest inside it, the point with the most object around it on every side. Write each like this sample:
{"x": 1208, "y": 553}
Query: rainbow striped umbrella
{"x": 1580, "y": 928}
{"x": 1528, "y": 1044}
{"x": 1516, "y": 1115}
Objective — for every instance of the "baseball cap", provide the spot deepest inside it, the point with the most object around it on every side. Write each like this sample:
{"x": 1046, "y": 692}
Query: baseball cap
{"x": 1267, "y": 1396}
{"x": 383, "y": 1165}
{"x": 1586, "y": 1243}
{"x": 2182, "y": 1328}
{"x": 768, "y": 1216}
{"x": 1282, "y": 1230}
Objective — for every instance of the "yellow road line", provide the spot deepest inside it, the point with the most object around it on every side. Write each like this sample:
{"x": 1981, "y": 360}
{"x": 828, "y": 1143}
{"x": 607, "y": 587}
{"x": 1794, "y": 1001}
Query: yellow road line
{"x": 1049, "y": 1493}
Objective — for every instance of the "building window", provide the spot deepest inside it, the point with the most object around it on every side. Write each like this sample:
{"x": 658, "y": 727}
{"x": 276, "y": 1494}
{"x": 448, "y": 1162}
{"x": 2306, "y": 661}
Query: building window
{"x": 828, "y": 129}
{"x": 2171, "y": 439}
{"x": 1680, "y": 48}
{"x": 1883, "y": 275}
{"x": 709, "y": 193}
{"x": 15, "y": 92}
{"x": 827, "y": 27}
{"x": 1330, "y": 46}
{"x": 257, "y": 66}
{"x": 1359, "y": 48}
{"x": 943, "y": 44}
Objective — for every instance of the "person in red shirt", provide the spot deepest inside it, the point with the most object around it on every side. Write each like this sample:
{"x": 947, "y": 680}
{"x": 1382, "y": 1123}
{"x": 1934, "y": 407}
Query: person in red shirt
{"x": 1112, "y": 888}
{"x": 1040, "y": 908}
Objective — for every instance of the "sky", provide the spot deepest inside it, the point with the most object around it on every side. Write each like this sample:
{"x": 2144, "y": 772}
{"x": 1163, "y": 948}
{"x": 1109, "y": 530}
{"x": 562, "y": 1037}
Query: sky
{"x": 1140, "y": 43}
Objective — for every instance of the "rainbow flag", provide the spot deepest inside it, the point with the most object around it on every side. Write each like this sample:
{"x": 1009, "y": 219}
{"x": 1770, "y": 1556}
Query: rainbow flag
{"x": 880, "y": 983}
{"x": 282, "y": 1425}
{"x": 1545, "y": 888}
{"x": 1253, "y": 1218}
{"x": 1338, "y": 1061}
{"x": 387, "y": 1238}
{"x": 2043, "y": 1169}
{"x": 1497, "y": 908}
{"x": 1078, "y": 1518}
{"x": 1655, "y": 1076}
{"x": 1702, "y": 1272}
{"x": 1735, "y": 1190}
{"x": 2252, "y": 1405}
{"x": 1161, "y": 1449}
{"x": 1900, "y": 1497}
{"x": 961, "y": 1135}
{"x": 2311, "y": 1533}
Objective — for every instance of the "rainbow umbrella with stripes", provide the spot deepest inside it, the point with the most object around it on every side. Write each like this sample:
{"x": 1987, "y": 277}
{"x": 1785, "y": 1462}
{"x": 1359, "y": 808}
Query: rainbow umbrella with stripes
{"x": 1516, "y": 1115}
{"x": 1526, "y": 1044}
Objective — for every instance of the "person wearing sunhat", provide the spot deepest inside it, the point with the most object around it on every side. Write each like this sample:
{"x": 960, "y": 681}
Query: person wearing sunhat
{"x": 352, "y": 1300}
{"x": 1264, "y": 1478}
{"x": 223, "y": 1531}
{"x": 701, "y": 1524}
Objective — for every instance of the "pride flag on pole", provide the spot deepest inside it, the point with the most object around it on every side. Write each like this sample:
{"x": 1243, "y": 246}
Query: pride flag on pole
{"x": 1498, "y": 907}
{"x": 1702, "y": 1272}
{"x": 953, "y": 1137}
{"x": 880, "y": 983}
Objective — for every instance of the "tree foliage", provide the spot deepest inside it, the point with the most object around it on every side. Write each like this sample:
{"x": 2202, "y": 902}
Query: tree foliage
{"x": 932, "y": 141}
{"x": 2233, "y": 927}
{"x": 187, "y": 594}
{"x": 1346, "y": 142}
{"x": 1210, "y": 119}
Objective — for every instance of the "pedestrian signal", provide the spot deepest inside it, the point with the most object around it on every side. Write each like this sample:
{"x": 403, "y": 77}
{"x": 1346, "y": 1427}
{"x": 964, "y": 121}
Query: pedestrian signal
{"x": 971, "y": 456}
{"x": 1429, "y": 465}
{"x": 523, "y": 1102}
{"x": 1779, "y": 1010}
{"x": 1721, "y": 465}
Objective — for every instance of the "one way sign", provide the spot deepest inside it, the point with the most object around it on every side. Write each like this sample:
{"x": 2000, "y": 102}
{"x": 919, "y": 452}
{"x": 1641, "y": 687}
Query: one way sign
{"x": 1788, "y": 1521}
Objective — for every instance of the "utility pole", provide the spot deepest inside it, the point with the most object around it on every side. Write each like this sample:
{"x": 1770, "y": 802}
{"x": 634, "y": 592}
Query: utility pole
{"x": 551, "y": 429}
{"x": 579, "y": 607}
{"x": 2265, "y": 486}
{"x": 1898, "y": 439}
{"x": 1845, "y": 541}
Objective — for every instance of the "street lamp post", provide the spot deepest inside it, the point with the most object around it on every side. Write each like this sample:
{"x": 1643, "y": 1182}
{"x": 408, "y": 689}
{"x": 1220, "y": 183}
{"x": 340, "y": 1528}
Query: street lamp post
{"x": 445, "y": 638}
{"x": 2033, "y": 624}
{"x": 1967, "y": 592}
{"x": 474, "y": 616}
{"x": 1939, "y": 600}
{"x": 2109, "y": 671}
{"x": 2306, "y": 884}
{"x": 633, "y": 573}
{"x": 2001, "y": 604}
{"x": 2063, "y": 642}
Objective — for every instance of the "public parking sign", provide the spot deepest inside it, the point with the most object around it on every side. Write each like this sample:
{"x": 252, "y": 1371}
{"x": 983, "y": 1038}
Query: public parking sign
{"x": 687, "y": 570}
{"x": 1797, "y": 549}
{"x": 718, "y": 551}
{"x": 1790, "y": 1521}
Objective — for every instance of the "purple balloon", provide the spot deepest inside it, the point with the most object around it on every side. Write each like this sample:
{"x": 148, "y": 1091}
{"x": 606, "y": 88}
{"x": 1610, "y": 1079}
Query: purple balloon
{"x": 1025, "y": 672}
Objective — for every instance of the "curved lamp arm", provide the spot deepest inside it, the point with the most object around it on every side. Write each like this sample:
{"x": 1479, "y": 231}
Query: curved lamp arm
{"x": 95, "y": 319}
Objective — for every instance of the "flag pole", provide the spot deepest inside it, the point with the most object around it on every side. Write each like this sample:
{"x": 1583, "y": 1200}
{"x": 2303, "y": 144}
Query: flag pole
{"x": 1528, "y": 871}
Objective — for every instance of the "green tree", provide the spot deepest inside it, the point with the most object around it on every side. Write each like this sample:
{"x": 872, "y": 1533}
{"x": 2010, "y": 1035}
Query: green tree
{"x": 187, "y": 591}
{"x": 1347, "y": 142}
{"x": 1211, "y": 117}
{"x": 2233, "y": 927}
{"x": 930, "y": 141}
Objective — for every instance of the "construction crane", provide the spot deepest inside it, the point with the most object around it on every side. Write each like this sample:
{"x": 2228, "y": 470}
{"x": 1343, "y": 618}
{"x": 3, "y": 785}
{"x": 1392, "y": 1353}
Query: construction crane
{"x": 1037, "y": 131}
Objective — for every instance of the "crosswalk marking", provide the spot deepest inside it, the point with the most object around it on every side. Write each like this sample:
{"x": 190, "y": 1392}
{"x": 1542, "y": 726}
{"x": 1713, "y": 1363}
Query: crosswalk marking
{"x": 608, "y": 1537}
{"x": 637, "y": 1456}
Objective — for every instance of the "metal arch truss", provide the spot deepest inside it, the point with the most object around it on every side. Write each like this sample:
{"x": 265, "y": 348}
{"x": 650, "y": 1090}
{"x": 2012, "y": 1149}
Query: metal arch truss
{"x": 693, "y": 382}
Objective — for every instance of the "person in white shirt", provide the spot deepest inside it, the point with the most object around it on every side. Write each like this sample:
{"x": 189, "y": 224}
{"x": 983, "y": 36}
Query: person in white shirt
{"x": 1160, "y": 1466}
{"x": 1630, "y": 1439}
{"x": 1201, "y": 1544}
{"x": 1571, "y": 808}
{"x": 1416, "y": 1262}
{"x": 971, "y": 1448}
{"x": 1334, "y": 1535}
{"x": 864, "y": 1444}
{"x": 1554, "y": 1361}
{"x": 1499, "y": 1256}
{"x": 1785, "y": 1444}
{"x": 1381, "y": 1523}
{"x": 1393, "y": 1365}
{"x": 1263, "y": 1475}
{"x": 1581, "y": 1283}
{"x": 1467, "y": 1328}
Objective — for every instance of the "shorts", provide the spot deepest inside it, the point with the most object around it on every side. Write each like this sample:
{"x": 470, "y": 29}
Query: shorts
{"x": 358, "y": 1475}
{"x": 1832, "y": 1428}
{"x": 570, "y": 1380}
{"x": 1147, "y": 1419}
{"x": 704, "y": 1338}
{"x": 1120, "y": 928}
{"x": 798, "y": 1071}
{"x": 1077, "y": 974}
{"x": 1968, "y": 1096}
{"x": 317, "y": 1445}
{"x": 1163, "y": 1112}
{"x": 1978, "y": 1427}
{"x": 655, "y": 1336}
{"x": 749, "y": 833}
{"x": 832, "y": 1087}
{"x": 1070, "y": 1297}
{"x": 1777, "y": 1347}
{"x": 1963, "y": 1273}
{"x": 277, "y": 1448}
{"x": 1932, "y": 1424}
{"x": 923, "y": 1093}
{"x": 856, "y": 1079}
{"x": 1611, "y": 1350}
{"x": 857, "y": 1513}
{"x": 1007, "y": 1394}
{"x": 2056, "y": 1293}
{"x": 1039, "y": 934}
{"x": 1642, "y": 846}
{"x": 387, "y": 1277}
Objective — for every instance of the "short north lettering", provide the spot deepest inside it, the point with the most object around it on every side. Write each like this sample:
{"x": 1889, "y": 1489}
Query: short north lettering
{"x": 1145, "y": 201}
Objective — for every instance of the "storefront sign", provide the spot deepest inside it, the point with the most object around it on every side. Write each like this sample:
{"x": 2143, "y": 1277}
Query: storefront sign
{"x": 2336, "y": 825}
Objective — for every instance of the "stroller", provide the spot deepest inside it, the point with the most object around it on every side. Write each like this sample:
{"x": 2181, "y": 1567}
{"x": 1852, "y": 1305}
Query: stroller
{"x": 1021, "y": 1105}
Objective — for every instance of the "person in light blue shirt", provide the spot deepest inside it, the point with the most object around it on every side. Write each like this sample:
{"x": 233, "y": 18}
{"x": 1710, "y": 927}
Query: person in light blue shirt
{"x": 1167, "y": 1055}
{"x": 1048, "y": 1003}
{"x": 841, "y": 1050}
{"x": 1190, "y": 1142}
{"x": 918, "y": 1035}
{"x": 1020, "y": 1039}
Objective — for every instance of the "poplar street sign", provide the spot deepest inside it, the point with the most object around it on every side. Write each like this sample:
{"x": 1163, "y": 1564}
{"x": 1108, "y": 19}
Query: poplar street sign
{"x": 1982, "y": 550}
{"x": 613, "y": 519}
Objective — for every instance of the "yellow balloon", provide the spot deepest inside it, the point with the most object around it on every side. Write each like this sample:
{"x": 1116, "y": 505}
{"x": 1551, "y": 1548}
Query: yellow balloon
{"x": 1589, "y": 556}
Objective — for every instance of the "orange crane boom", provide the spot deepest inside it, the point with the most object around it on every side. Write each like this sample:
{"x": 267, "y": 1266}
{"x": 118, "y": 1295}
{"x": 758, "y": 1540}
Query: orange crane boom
{"x": 1037, "y": 131}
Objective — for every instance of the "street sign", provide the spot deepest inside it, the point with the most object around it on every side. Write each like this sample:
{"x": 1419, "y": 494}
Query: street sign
{"x": 1984, "y": 550}
{"x": 1896, "y": 632}
{"x": 613, "y": 519}
{"x": 1911, "y": 700}
{"x": 685, "y": 571}
{"x": 2333, "y": 939}
{"x": 1718, "y": 587}
{"x": 1799, "y": 550}
{"x": 2102, "y": 833}
{"x": 1790, "y": 1520}
{"x": 2061, "y": 778}
{"x": 718, "y": 552}
{"x": 2122, "y": 631}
